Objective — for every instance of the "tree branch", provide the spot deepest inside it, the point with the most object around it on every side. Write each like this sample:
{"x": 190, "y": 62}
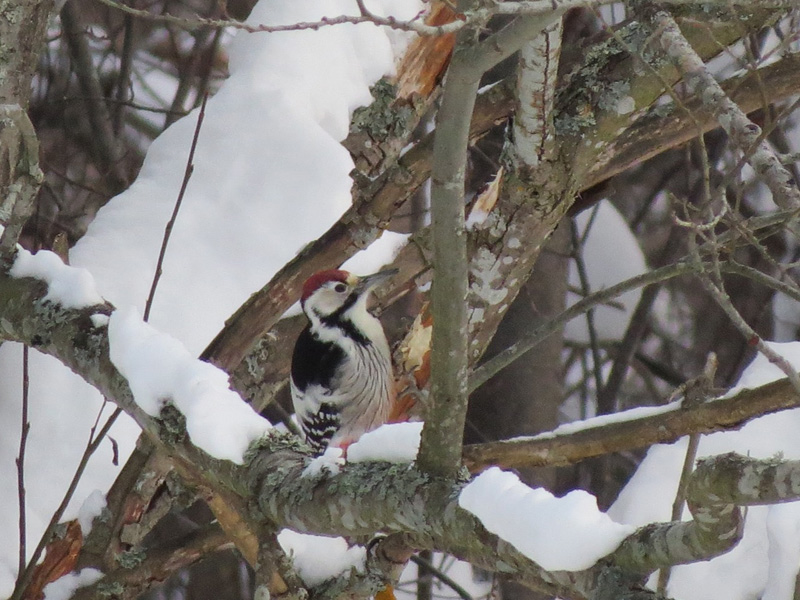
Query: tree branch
{"x": 628, "y": 430}
{"x": 20, "y": 175}
{"x": 742, "y": 131}
{"x": 718, "y": 486}
{"x": 440, "y": 448}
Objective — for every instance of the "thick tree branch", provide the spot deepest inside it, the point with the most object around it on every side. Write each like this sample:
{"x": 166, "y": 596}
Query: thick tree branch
{"x": 619, "y": 433}
{"x": 718, "y": 486}
{"x": 440, "y": 449}
{"x": 412, "y": 502}
{"x": 22, "y": 30}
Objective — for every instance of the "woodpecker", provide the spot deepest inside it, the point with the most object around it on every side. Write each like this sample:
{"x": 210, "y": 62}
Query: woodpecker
{"x": 341, "y": 378}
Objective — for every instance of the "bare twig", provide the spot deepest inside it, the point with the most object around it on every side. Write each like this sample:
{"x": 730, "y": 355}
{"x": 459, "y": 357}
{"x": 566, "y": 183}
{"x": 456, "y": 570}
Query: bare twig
{"x": 695, "y": 392}
{"x": 424, "y": 574}
{"x": 106, "y": 146}
{"x": 94, "y": 442}
{"x": 467, "y": 19}
{"x": 171, "y": 223}
{"x": 711, "y": 280}
{"x": 426, "y": 565}
{"x": 583, "y": 277}
{"x": 125, "y": 62}
{"x": 23, "y": 438}
{"x": 680, "y": 500}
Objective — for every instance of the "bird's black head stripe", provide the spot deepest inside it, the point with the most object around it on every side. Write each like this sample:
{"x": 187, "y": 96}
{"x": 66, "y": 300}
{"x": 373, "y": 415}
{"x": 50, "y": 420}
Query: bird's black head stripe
{"x": 337, "y": 319}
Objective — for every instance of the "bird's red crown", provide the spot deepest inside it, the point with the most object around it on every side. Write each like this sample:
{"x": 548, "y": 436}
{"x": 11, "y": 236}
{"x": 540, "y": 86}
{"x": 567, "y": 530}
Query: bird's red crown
{"x": 314, "y": 282}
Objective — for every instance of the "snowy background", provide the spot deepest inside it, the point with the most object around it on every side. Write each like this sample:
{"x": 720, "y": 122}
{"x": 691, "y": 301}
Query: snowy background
{"x": 250, "y": 206}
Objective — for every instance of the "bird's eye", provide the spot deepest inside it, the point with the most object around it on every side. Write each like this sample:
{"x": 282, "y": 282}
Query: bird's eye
{"x": 340, "y": 287}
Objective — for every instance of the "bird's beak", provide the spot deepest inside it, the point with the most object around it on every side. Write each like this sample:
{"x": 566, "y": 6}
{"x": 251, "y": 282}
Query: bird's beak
{"x": 370, "y": 281}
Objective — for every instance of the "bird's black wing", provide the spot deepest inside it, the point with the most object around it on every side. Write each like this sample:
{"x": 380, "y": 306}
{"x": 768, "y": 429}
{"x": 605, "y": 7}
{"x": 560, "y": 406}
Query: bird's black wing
{"x": 315, "y": 361}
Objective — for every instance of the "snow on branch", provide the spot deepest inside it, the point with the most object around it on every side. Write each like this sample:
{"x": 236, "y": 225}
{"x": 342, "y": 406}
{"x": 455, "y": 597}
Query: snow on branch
{"x": 634, "y": 428}
{"x": 159, "y": 370}
{"x": 157, "y": 367}
{"x": 70, "y": 287}
{"x": 568, "y": 533}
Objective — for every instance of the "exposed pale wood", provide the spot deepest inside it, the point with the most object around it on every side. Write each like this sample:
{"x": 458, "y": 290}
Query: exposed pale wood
{"x": 425, "y": 61}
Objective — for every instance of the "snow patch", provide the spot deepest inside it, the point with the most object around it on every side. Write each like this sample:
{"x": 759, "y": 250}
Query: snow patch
{"x": 611, "y": 254}
{"x": 393, "y": 442}
{"x": 160, "y": 369}
{"x": 64, "y": 587}
{"x": 761, "y": 371}
{"x": 91, "y": 508}
{"x": 559, "y": 534}
{"x": 317, "y": 558}
{"x": 71, "y": 287}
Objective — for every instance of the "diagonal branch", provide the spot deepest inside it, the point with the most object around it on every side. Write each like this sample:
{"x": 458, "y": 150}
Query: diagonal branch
{"x": 742, "y": 131}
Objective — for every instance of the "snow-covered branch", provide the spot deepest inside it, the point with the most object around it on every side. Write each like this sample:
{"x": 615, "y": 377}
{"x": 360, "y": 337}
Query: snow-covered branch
{"x": 635, "y": 428}
{"x": 718, "y": 486}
